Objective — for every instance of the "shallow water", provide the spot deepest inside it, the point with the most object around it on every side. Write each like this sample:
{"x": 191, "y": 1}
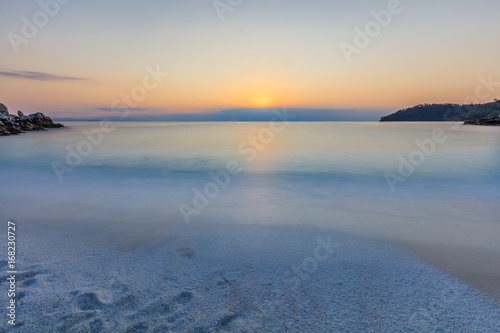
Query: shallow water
{"x": 344, "y": 149}
{"x": 323, "y": 168}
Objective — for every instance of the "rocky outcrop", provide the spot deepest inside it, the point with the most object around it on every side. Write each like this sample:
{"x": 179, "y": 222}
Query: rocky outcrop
{"x": 3, "y": 110}
{"x": 490, "y": 121}
{"x": 11, "y": 124}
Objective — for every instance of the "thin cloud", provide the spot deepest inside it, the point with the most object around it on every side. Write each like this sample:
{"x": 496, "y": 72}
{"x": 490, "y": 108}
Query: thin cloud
{"x": 38, "y": 76}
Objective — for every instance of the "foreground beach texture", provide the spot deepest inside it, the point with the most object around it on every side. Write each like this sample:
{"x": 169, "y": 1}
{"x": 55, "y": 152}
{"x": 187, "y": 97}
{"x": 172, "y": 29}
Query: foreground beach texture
{"x": 308, "y": 237}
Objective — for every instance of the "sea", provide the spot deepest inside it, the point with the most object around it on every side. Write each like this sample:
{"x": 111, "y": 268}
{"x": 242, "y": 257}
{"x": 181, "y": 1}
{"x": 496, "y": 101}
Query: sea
{"x": 253, "y": 172}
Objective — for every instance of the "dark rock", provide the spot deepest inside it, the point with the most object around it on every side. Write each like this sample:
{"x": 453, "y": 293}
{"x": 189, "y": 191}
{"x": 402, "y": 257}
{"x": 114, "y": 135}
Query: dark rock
{"x": 42, "y": 120}
{"x": 3, "y": 110}
{"x": 490, "y": 121}
{"x": 12, "y": 124}
{"x": 3, "y": 129}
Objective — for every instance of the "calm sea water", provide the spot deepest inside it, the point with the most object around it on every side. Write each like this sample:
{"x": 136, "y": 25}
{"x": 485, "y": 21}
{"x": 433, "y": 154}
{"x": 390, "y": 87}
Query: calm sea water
{"x": 328, "y": 174}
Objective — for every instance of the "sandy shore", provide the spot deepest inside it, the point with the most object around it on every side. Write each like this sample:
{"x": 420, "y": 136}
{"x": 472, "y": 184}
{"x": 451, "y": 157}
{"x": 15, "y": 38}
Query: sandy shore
{"x": 464, "y": 246}
{"x": 237, "y": 278}
{"x": 478, "y": 266}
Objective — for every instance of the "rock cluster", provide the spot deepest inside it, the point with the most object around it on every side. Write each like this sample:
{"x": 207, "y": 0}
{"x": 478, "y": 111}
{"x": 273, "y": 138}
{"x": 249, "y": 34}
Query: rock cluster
{"x": 490, "y": 121}
{"x": 3, "y": 110}
{"x": 11, "y": 124}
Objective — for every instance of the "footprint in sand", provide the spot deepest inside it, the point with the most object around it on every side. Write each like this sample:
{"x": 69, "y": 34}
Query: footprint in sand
{"x": 89, "y": 301}
{"x": 164, "y": 306}
{"x": 96, "y": 326}
{"x": 27, "y": 275}
{"x": 141, "y": 327}
{"x": 187, "y": 252}
{"x": 68, "y": 323}
{"x": 159, "y": 307}
{"x": 184, "y": 297}
{"x": 225, "y": 321}
{"x": 127, "y": 302}
{"x": 27, "y": 279}
{"x": 28, "y": 282}
{"x": 19, "y": 295}
{"x": 223, "y": 324}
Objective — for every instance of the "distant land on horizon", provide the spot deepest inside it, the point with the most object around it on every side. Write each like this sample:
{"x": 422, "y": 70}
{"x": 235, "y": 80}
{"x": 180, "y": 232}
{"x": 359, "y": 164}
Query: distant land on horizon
{"x": 248, "y": 115}
{"x": 421, "y": 112}
{"x": 446, "y": 112}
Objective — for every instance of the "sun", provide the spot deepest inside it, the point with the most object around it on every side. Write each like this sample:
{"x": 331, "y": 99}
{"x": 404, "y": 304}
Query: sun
{"x": 261, "y": 100}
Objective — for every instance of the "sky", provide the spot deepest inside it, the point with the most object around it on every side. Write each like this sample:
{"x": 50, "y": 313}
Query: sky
{"x": 154, "y": 57}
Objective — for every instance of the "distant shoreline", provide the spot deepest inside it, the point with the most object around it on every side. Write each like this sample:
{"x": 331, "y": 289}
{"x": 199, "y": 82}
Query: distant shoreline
{"x": 447, "y": 112}
{"x": 492, "y": 121}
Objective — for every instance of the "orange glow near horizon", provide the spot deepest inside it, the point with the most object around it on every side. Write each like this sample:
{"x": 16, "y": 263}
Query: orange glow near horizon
{"x": 181, "y": 95}
{"x": 261, "y": 100}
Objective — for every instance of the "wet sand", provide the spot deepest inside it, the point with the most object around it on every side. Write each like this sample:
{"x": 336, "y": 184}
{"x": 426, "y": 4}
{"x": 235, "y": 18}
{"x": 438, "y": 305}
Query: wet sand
{"x": 478, "y": 266}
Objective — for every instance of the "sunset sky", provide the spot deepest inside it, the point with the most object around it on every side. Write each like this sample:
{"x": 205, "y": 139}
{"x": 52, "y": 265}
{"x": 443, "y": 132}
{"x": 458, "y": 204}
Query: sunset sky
{"x": 263, "y": 53}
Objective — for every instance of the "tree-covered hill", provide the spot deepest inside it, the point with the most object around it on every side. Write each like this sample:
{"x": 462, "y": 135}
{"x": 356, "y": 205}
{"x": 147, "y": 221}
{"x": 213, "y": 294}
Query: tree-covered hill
{"x": 446, "y": 112}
